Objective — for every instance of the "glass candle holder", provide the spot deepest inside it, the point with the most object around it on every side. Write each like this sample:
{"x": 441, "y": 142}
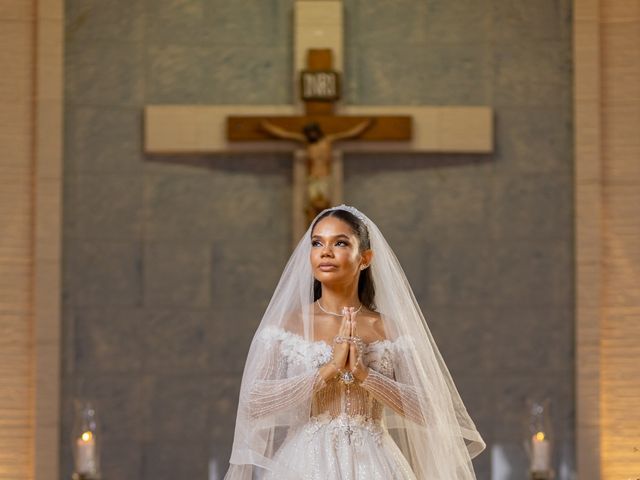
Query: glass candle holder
{"x": 86, "y": 442}
{"x": 539, "y": 439}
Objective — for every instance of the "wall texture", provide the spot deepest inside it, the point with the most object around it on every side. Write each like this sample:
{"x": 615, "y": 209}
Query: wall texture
{"x": 30, "y": 237}
{"x": 170, "y": 262}
{"x": 607, "y": 177}
{"x": 17, "y": 27}
{"x": 619, "y": 24}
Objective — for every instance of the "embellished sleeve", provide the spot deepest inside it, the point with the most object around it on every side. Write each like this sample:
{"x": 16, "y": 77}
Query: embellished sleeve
{"x": 275, "y": 388}
{"x": 403, "y": 398}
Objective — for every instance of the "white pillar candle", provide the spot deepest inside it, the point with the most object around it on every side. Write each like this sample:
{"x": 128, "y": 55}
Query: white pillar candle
{"x": 86, "y": 454}
{"x": 540, "y": 453}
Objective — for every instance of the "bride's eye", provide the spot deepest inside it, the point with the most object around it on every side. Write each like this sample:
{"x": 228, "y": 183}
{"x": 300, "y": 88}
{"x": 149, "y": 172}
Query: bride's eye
{"x": 316, "y": 242}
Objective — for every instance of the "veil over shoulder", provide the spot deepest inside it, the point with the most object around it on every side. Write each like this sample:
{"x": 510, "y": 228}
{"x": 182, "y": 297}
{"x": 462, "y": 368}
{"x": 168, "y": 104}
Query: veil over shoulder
{"x": 423, "y": 411}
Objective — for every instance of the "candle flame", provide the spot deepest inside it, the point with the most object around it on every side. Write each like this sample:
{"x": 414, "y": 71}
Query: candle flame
{"x": 86, "y": 436}
{"x": 539, "y": 436}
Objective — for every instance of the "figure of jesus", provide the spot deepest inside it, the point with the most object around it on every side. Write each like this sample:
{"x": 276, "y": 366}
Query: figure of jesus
{"x": 319, "y": 158}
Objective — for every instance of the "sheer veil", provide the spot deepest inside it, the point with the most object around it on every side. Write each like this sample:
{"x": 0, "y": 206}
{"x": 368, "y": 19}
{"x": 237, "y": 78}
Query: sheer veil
{"x": 431, "y": 426}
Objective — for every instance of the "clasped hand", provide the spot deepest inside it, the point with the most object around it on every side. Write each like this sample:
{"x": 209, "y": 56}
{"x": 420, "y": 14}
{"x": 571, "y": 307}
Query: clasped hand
{"x": 347, "y": 347}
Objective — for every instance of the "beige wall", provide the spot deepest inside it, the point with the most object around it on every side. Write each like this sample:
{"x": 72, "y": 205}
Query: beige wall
{"x": 16, "y": 249}
{"x": 620, "y": 384}
{"x": 30, "y": 180}
{"x": 607, "y": 105}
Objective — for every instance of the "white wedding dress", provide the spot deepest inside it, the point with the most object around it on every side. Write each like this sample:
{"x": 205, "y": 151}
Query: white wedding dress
{"x": 404, "y": 421}
{"x": 345, "y": 437}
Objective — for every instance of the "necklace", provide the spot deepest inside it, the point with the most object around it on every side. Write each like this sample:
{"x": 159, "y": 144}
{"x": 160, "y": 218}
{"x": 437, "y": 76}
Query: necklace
{"x": 333, "y": 313}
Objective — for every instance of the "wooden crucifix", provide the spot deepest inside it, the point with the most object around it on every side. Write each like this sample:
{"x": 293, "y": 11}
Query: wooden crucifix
{"x": 318, "y": 24}
{"x": 319, "y": 129}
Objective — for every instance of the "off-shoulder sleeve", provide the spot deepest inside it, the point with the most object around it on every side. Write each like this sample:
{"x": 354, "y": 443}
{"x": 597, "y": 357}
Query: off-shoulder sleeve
{"x": 275, "y": 389}
{"x": 405, "y": 399}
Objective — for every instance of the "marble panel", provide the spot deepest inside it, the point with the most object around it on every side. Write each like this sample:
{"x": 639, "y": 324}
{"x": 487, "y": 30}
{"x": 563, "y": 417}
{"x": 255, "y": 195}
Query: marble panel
{"x": 374, "y": 22}
{"x": 534, "y": 141}
{"x": 177, "y": 274}
{"x": 178, "y": 207}
{"x": 532, "y": 206}
{"x": 118, "y": 400}
{"x": 104, "y": 73}
{"x": 464, "y": 337}
{"x": 174, "y": 340}
{"x": 175, "y": 74}
{"x": 463, "y": 21}
{"x": 107, "y": 340}
{"x": 439, "y": 75}
{"x": 247, "y": 75}
{"x": 532, "y": 273}
{"x": 103, "y": 140}
{"x": 177, "y": 408}
{"x": 245, "y": 22}
{"x": 531, "y": 341}
{"x": 540, "y": 20}
{"x": 108, "y": 207}
{"x": 170, "y": 460}
{"x": 119, "y": 20}
{"x": 181, "y": 22}
{"x": 104, "y": 273}
{"x": 459, "y": 271}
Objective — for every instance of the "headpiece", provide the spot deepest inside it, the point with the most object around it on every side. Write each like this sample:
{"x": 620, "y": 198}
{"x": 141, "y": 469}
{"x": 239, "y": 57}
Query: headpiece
{"x": 349, "y": 209}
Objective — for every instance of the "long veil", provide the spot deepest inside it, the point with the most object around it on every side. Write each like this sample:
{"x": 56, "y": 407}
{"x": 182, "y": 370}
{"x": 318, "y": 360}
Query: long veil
{"x": 431, "y": 426}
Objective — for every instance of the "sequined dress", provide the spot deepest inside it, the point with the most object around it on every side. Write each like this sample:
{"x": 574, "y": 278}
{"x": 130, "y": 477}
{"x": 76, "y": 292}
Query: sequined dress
{"x": 344, "y": 438}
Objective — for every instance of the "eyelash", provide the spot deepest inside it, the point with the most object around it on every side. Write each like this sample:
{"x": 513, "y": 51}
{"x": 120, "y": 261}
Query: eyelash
{"x": 339, "y": 241}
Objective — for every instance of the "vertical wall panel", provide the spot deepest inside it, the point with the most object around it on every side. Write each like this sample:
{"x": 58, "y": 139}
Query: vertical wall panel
{"x": 16, "y": 232}
{"x": 30, "y": 222}
{"x": 607, "y": 101}
{"x": 620, "y": 389}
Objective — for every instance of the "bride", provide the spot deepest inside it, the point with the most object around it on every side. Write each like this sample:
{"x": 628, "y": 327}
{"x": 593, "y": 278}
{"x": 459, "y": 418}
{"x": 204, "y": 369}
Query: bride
{"x": 343, "y": 379}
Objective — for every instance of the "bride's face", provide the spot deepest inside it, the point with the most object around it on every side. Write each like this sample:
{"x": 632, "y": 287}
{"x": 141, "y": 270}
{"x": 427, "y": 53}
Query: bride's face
{"x": 334, "y": 251}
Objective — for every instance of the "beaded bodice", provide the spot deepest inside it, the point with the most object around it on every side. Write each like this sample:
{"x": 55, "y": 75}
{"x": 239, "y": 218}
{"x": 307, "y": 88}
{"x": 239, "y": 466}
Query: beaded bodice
{"x": 336, "y": 398}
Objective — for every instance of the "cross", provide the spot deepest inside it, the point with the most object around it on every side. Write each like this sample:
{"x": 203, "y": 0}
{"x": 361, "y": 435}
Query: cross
{"x": 319, "y": 128}
{"x": 349, "y": 432}
{"x": 318, "y": 24}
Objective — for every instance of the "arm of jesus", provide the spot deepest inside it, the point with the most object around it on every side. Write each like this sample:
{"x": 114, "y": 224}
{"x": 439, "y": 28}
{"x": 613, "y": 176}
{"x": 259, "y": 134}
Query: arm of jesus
{"x": 352, "y": 132}
{"x": 278, "y": 132}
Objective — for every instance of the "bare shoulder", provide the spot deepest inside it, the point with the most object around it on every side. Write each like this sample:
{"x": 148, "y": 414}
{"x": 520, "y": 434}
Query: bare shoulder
{"x": 374, "y": 326}
{"x": 292, "y": 322}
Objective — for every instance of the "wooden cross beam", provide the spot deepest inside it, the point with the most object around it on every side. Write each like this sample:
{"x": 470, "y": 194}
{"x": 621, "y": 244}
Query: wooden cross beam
{"x": 383, "y": 128}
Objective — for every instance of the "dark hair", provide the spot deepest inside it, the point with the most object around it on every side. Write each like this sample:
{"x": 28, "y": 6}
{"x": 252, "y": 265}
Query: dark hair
{"x": 313, "y": 132}
{"x": 366, "y": 287}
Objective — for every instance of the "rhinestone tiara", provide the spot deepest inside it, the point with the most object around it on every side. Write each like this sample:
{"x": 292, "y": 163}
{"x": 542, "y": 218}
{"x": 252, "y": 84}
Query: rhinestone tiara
{"x": 352, "y": 210}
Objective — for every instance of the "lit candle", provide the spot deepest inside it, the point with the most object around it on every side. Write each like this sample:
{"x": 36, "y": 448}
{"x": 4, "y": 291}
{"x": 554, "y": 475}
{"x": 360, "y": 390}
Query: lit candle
{"x": 86, "y": 453}
{"x": 540, "y": 453}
